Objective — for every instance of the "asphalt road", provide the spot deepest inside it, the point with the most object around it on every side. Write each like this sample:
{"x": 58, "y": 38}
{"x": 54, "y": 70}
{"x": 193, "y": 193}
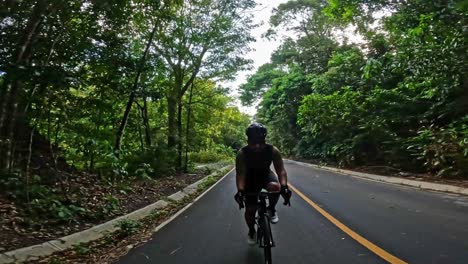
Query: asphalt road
{"x": 413, "y": 225}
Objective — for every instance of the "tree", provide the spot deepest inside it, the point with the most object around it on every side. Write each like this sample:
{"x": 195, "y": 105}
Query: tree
{"x": 159, "y": 14}
{"x": 258, "y": 83}
{"x": 43, "y": 52}
{"x": 303, "y": 17}
{"x": 278, "y": 109}
{"x": 398, "y": 100}
{"x": 71, "y": 73}
{"x": 205, "y": 39}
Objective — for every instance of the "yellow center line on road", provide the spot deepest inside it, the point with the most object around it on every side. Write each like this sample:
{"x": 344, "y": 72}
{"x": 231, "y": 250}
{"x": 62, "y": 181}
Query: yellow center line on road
{"x": 361, "y": 240}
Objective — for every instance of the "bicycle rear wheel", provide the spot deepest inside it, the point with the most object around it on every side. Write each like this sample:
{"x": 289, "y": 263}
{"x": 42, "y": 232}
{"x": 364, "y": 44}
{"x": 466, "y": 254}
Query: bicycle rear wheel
{"x": 267, "y": 252}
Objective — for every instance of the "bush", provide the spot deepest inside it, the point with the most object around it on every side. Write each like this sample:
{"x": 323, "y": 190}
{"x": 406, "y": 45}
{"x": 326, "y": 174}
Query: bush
{"x": 43, "y": 200}
{"x": 217, "y": 153}
{"x": 112, "y": 206}
{"x": 443, "y": 151}
{"x": 82, "y": 249}
{"x": 128, "y": 227}
{"x": 154, "y": 162}
{"x": 56, "y": 208}
{"x": 330, "y": 125}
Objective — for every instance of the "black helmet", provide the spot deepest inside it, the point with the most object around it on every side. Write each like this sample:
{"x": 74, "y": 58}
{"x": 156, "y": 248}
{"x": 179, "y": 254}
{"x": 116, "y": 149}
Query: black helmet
{"x": 256, "y": 133}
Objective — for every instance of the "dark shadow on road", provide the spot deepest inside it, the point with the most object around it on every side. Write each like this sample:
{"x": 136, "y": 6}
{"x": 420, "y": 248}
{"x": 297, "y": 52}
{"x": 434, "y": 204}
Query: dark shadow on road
{"x": 254, "y": 255}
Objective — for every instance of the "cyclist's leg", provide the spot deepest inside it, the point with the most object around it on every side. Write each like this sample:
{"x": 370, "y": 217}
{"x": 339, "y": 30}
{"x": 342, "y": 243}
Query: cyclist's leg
{"x": 272, "y": 185}
{"x": 251, "y": 204}
{"x": 250, "y": 210}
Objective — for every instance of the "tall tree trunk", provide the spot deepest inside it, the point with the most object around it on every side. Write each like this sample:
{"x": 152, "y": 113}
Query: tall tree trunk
{"x": 179, "y": 133}
{"x": 49, "y": 120}
{"x": 12, "y": 87}
{"x": 187, "y": 141}
{"x": 123, "y": 123}
{"x": 131, "y": 99}
{"x": 9, "y": 125}
{"x": 144, "y": 114}
{"x": 98, "y": 132}
{"x": 39, "y": 87}
{"x": 4, "y": 91}
{"x": 171, "y": 121}
{"x": 28, "y": 163}
{"x": 173, "y": 101}
{"x": 140, "y": 136}
{"x": 23, "y": 53}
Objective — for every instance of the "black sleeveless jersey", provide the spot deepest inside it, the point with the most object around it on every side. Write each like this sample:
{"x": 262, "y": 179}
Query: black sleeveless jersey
{"x": 258, "y": 162}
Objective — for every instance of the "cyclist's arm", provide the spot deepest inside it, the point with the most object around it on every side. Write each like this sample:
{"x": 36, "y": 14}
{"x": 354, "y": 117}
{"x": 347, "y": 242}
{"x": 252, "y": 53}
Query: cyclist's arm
{"x": 279, "y": 167}
{"x": 240, "y": 171}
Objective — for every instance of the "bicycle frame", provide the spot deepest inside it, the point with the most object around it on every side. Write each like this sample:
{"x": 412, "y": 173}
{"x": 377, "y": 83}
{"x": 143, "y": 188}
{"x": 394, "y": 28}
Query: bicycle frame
{"x": 263, "y": 222}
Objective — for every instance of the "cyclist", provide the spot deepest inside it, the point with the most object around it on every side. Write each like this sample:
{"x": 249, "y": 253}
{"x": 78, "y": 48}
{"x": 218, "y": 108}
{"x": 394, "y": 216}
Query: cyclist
{"x": 253, "y": 174}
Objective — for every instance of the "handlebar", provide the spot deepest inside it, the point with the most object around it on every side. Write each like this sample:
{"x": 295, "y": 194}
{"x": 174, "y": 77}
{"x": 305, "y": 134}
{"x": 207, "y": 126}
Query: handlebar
{"x": 240, "y": 198}
{"x": 261, "y": 193}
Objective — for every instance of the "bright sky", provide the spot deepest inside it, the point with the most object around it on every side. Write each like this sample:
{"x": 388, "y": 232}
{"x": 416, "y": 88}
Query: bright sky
{"x": 261, "y": 49}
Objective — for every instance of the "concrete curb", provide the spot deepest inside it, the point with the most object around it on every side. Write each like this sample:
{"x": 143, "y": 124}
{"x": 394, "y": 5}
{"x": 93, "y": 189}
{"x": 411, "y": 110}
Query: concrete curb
{"x": 395, "y": 180}
{"x": 96, "y": 232}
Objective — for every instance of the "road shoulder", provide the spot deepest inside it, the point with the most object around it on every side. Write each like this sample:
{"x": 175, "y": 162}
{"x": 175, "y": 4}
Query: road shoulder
{"x": 388, "y": 179}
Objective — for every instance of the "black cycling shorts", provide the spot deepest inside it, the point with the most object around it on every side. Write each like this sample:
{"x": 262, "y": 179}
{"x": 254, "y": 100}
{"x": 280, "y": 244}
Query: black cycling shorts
{"x": 256, "y": 183}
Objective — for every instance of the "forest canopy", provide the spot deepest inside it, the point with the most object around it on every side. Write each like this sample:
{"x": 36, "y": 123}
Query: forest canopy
{"x": 108, "y": 106}
{"x": 396, "y": 99}
{"x": 111, "y": 85}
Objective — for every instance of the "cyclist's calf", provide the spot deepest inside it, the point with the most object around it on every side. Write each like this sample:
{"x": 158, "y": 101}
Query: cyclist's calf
{"x": 250, "y": 210}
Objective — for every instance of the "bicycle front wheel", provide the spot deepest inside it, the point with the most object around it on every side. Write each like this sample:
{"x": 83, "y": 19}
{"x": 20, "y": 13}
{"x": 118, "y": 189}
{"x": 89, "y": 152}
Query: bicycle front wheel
{"x": 267, "y": 240}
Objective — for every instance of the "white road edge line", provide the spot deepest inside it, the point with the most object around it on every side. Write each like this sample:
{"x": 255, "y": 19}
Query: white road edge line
{"x": 159, "y": 227}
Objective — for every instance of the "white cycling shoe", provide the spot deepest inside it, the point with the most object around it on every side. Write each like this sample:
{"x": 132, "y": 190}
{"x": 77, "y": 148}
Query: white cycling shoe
{"x": 273, "y": 217}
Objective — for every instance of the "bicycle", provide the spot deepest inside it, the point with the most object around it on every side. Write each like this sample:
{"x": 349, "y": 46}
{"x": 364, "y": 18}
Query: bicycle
{"x": 262, "y": 222}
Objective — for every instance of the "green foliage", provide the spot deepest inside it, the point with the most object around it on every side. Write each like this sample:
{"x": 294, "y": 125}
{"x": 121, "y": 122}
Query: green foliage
{"x": 13, "y": 184}
{"x": 443, "y": 150}
{"x": 119, "y": 167}
{"x": 74, "y": 84}
{"x": 111, "y": 206}
{"x": 153, "y": 162}
{"x": 56, "y": 260}
{"x": 326, "y": 122}
{"x": 210, "y": 180}
{"x": 398, "y": 100}
{"x": 214, "y": 154}
{"x": 258, "y": 83}
{"x": 301, "y": 16}
{"x": 55, "y": 208}
{"x": 144, "y": 171}
{"x": 41, "y": 198}
{"x": 66, "y": 212}
{"x": 94, "y": 92}
{"x": 278, "y": 110}
{"x": 82, "y": 249}
{"x": 128, "y": 227}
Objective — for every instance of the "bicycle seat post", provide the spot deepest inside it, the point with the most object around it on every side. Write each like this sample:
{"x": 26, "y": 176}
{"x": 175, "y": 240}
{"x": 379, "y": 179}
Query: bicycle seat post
{"x": 262, "y": 196}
